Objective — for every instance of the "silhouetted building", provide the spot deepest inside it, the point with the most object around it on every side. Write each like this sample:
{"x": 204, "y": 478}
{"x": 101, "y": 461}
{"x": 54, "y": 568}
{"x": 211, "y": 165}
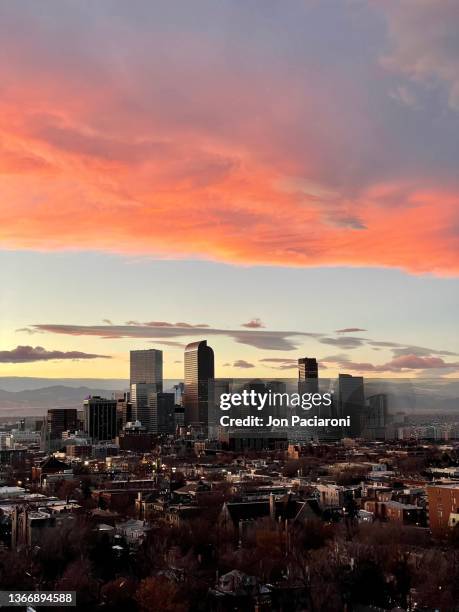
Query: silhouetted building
{"x": 199, "y": 370}
{"x": 147, "y": 368}
{"x": 60, "y": 420}
{"x": 162, "y": 411}
{"x": 56, "y": 422}
{"x": 351, "y": 402}
{"x": 308, "y": 375}
{"x": 100, "y": 420}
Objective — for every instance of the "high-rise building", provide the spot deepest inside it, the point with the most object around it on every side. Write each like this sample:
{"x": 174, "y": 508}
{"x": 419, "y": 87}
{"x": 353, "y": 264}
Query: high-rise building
{"x": 147, "y": 368}
{"x": 308, "y": 368}
{"x": 375, "y": 418}
{"x": 100, "y": 421}
{"x": 308, "y": 375}
{"x": 57, "y": 421}
{"x": 178, "y": 392}
{"x": 141, "y": 411}
{"x": 308, "y": 382}
{"x": 351, "y": 402}
{"x": 155, "y": 411}
{"x": 124, "y": 409}
{"x": 199, "y": 370}
{"x": 377, "y": 410}
{"x": 162, "y": 413}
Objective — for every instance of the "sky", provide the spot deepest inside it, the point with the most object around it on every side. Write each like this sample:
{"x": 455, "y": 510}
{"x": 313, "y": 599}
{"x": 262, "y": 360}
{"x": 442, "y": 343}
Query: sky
{"x": 279, "y": 178}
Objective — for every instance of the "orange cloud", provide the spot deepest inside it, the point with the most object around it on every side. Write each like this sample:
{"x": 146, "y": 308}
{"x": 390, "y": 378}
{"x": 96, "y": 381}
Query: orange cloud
{"x": 68, "y": 189}
{"x": 83, "y": 170}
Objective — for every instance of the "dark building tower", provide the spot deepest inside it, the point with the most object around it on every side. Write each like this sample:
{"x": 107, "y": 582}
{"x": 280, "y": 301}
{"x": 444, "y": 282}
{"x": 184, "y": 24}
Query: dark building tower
{"x": 100, "y": 420}
{"x": 351, "y": 402}
{"x": 308, "y": 375}
{"x": 307, "y": 368}
{"x": 147, "y": 368}
{"x": 60, "y": 420}
{"x": 199, "y": 369}
{"x": 162, "y": 410}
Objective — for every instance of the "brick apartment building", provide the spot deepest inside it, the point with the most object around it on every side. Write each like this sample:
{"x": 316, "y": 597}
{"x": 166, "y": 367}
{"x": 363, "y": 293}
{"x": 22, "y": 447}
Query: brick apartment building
{"x": 443, "y": 506}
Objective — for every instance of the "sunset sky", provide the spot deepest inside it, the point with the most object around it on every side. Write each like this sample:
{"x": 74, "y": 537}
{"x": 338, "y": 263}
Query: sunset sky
{"x": 281, "y": 178}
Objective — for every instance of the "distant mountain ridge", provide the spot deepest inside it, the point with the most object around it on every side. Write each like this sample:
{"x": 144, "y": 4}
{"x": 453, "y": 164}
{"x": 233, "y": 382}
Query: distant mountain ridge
{"x": 24, "y": 383}
{"x": 28, "y": 396}
{"x": 35, "y": 402}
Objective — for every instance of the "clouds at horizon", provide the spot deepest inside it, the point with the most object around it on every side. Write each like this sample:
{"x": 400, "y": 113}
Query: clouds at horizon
{"x": 267, "y": 136}
{"x": 161, "y": 331}
{"x": 29, "y": 354}
{"x": 404, "y": 356}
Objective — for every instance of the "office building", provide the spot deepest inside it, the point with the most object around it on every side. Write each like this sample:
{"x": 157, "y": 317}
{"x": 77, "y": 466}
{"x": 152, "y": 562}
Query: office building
{"x": 377, "y": 411}
{"x": 162, "y": 413}
{"x": 59, "y": 420}
{"x": 375, "y": 418}
{"x": 199, "y": 370}
{"x": 146, "y": 367}
{"x": 351, "y": 402}
{"x": 140, "y": 408}
{"x": 178, "y": 392}
{"x": 308, "y": 374}
{"x": 56, "y": 422}
{"x": 124, "y": 409}
{"x": 100, "y": 419}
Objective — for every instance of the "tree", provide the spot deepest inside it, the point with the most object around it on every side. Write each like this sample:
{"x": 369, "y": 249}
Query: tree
{"x": 118, "y": 595}
{"x": 159, "y": 594}
{"x": 77, "y": 577}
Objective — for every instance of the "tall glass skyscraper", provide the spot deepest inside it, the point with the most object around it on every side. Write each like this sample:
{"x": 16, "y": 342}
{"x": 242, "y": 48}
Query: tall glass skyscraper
{"x": 199, "y": 369}
{"x": 147, "y": 368}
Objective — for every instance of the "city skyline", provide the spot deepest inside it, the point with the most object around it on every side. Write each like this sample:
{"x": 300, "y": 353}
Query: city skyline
{"x": 281, "y": 180}
{"x": 229, "y": 272}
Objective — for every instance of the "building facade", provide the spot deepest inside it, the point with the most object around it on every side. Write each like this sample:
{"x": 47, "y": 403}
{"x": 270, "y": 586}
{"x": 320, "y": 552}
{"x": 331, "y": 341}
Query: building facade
{"x": 146, "y": 367}
{"x": 199, "y": 371}
{"x": 100, "y": 418}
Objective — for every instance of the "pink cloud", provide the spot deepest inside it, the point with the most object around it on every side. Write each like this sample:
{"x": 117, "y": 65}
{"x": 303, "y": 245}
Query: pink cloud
{"x": 27, "y": 354}
{"x": 254, "y": 324}
{"x": 159, "y": 149}
{"x": 403, "y": 363}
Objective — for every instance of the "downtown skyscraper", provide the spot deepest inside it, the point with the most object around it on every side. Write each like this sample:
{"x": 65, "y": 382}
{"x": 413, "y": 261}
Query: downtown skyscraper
{"x": 147, "y": 368}
{"x": 146, "y": 379}
{"x": 308, "y": 375}
{"x": 199, "y": 370}
{"x": 351, "y": 402}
